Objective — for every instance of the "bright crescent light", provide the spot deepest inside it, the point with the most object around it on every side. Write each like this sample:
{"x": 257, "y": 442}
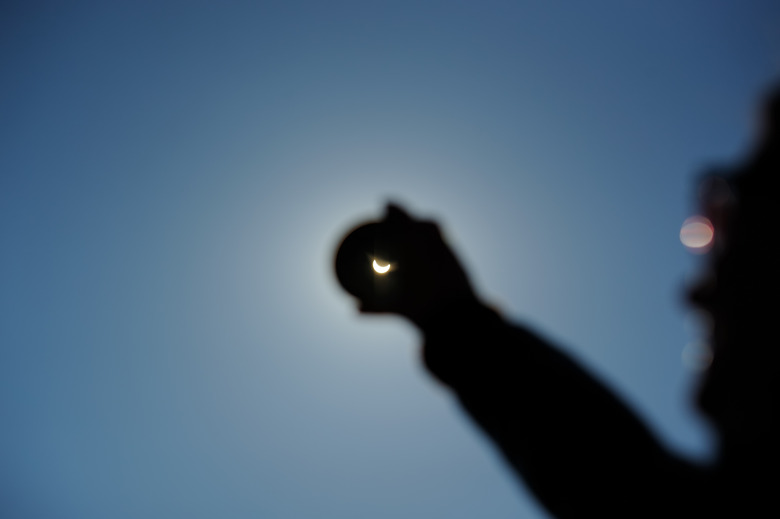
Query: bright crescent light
{"x": 381, "y": 269}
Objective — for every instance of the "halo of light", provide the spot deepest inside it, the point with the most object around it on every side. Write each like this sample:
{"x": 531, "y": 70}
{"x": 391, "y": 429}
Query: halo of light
{"x": 381, "y": 269}
{"x": 697, "y": 234}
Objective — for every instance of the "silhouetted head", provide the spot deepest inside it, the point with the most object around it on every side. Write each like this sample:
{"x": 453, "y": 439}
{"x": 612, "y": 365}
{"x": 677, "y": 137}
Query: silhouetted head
{"x": 741, "y": 292}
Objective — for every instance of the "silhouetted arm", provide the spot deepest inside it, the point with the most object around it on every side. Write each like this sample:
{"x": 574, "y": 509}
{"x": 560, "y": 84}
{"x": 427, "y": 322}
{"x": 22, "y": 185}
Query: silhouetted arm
{"x": 579, "y": 449}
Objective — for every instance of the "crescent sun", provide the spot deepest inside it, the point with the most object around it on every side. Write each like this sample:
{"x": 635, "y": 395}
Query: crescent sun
{"x": 381, "y": 269}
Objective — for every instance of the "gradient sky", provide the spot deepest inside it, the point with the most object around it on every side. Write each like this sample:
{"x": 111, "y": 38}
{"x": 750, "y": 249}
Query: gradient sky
{"x": 174, "y": 177}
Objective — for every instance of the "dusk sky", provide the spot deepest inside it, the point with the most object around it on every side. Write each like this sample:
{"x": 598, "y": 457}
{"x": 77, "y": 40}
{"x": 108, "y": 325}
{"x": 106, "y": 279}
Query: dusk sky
{"x": 175, "y": 177}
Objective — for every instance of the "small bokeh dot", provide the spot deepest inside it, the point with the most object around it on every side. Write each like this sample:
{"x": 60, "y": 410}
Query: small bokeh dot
{"x": 697, "y": 234}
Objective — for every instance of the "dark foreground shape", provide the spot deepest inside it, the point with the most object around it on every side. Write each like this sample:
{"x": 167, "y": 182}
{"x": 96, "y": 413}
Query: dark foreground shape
{"x": 575, "y": 444}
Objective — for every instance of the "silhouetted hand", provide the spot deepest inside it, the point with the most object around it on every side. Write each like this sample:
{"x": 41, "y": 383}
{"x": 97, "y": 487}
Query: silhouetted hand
{"x": 424, "y": 280}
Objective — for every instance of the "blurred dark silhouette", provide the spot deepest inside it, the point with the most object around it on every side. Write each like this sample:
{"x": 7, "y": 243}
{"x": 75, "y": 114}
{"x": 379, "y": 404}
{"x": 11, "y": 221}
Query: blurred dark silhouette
{"x": 580, "y": 450}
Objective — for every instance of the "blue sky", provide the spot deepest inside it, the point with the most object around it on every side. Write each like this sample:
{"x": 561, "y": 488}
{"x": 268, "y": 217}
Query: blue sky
{"x": 174, "y": 177}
